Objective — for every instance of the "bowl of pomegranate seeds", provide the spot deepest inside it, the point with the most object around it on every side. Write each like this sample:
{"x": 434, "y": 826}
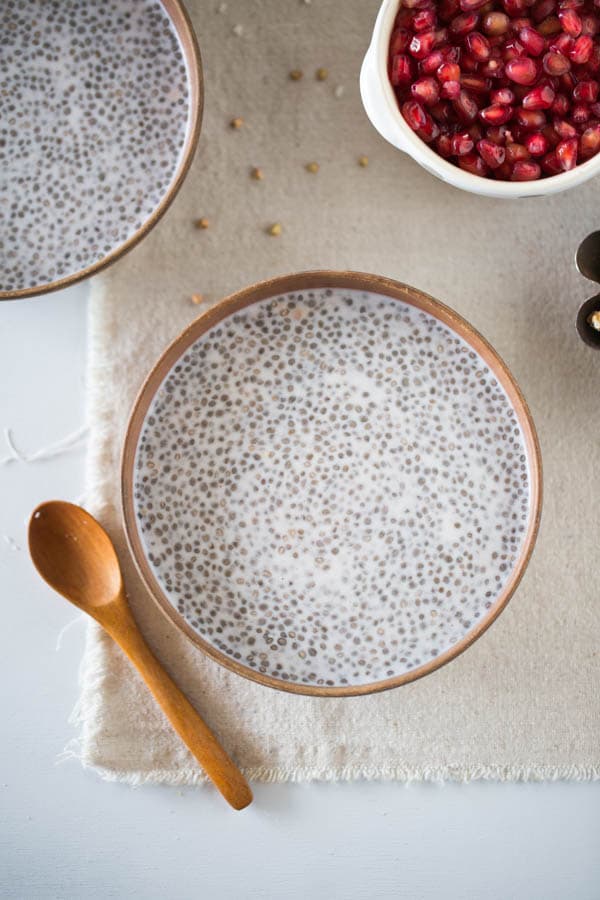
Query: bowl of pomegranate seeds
{"x": 497, "y": 97}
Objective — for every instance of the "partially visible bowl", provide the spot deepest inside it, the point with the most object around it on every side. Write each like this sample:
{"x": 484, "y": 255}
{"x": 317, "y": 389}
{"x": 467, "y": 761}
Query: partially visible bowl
{"x": 381, "y": 107}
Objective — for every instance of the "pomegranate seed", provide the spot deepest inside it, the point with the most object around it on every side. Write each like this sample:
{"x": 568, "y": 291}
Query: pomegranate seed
{"x": 495, "y": 23}
{"x": 431, "y": 63}
{"x": 493, "y": 68}
{"x": 537, "y": 143}
{"x": 475, "y": 84}
{"x": 503, "y": 96}
{"x": 542, "y": 9}
{"x": 580, "y": 114}
{"x": 518, "y": 24}
{"x": 430, "y": 132}
{"x": 424, "y": 20}
{"x": 586, "y": 91}
{"x": 555, "y": 63}
{"x": 590, "y": 25}
{"x": 443, "y": 145}
{"x": 550, "y": 164}
{"x": 530, "y": 119}
{"x": 595, "y": 109}
{"x": 561, "y": 105}
{"x": 532, "y": 40}
{"x": 478, "y": 46}
{"x": 564, "y": 129}
{"x": 470, "y": 5}
{"x": 563, "y": 43}
{"x": 440, "y": 37}
{"x": 496, "y": 115}
{"x": 523, "y": 70}
{"x": 416, "y": 4}
{"x": 549, "y": 26}
{"x": 447, "y": 9}
{"x": 465, "y": 107}
{"x": 539, "y": 98}
{"x": 551, "y": 136}
{"x": 516, "y": 152}
{"x": 442, "y": 112}
{"x": 461, "y": 25}
{"x": 426, "y": 90}
{"x": 589, "y": 143}
{"x": 476, "y": 131}
{"x": 448, "y": 72}
{"x": 421, "y": 45}
{"x": 525, "y": 171}
{"x": 593, "y": 62}
{"x": 399, "y": 41}
{"x": 462, "y": 143}
{"x": 468, "y": 63}
{"x": 566, "y": 153}
{"x": 450, "y": 54}
{"x": 513, "y": 50}
{"x": 571, "y": 4}
{"x": 401, "y": 71}
{"x": 570, "y": 22}
{"x": 414, "y": 114}
{"x": 450, "y": 90}
{"x": 492, "y": 154}
{"x": 497, "y": 134}
{"x": 514, "y": 8}
{"x": 474, "y": 164}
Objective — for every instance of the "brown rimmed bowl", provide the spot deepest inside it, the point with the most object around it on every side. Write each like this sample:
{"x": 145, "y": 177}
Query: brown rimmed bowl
{"x": 150, "y": 472}
{"x": 99, "y": 123}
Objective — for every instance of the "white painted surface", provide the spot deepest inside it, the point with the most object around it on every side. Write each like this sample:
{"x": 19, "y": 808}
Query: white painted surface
{"x": 66, "y": 834}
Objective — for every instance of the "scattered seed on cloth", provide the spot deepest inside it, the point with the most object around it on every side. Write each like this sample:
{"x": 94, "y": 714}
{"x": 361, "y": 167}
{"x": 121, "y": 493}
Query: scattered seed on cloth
{"x": 275, "y": 229}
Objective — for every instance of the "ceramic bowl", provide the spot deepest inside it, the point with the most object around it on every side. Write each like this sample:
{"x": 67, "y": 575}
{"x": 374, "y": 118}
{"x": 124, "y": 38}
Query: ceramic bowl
{"x": 99, "y": 118}
{"x": 382, "y": 109}
{"x": 331, "y": 483}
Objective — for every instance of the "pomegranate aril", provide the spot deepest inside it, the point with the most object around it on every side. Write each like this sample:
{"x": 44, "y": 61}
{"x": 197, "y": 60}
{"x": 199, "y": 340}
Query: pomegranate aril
{"x": 461, "y": 25}
{"x": 424, "y": 20}
{"x": 495, "y": 23}
{"x": 516, "y": 152}
{"x": 586, "y": 91}
{"x": 493, "y": 68}
{"x": 525, "y": 171}
{"x": 496, "y": 115}
{"x": 582, "y": 50}
{"x": 555, "y": 63}
{"x": 431, "y": 63}
{"x": 465, "y": 107}
{"x": 590, "y": 25}
{"x": 443, "y": 145}
{"x": 475, "y": 84}
{"x": 414, "y": 114}
{"x": 563, "y": 43}
{"x": 440, "y": 37}
{"x": 514, "y": 8}
{"x": 513, "y": 50}
{"x": 430, "y": 132}
{"x": 595, "y": 109}
{"x": 593, "y": 62}
{"x": 570, "y": 22}
{"x": 497, "y": 134}
{"x": 580, "y": 114}
{"x": 542, "y": 9}
{"x": 561, "y": 105}
{"x": 549, "y": 27}
{"x": 470, "y": 5}
{"x": 537, "y": 143}
{"x": 589, "y": 143}
{"x": 478, "y": 46}
{"x": 566, "y": 153}
{"x": 532, "y": 40}
{"x": 551, "y": 136}
{"x": 476, "y": 131}
{"x": 474, "y": 164}
{"x": 550, "y": 164}
{"x": 401, "y": 70}
{"x": 468, "y": 63}
{"x": 425, "y": 90}
{"x": 462, "y": 143}
{"x": 567, "y": 82}
{"x": 572, "y": 4}
{"x": 503, "y": 96}
{"x": 421, "y": 45}
{"x": 564, "y": 129}
{"x": 448, "y": 72}
{"x": 492, "y": 154}
{"x": 450, "y": 90}
{"x": 447, "y": 9}
{"x": 530, "y": 119}
{"x": 522, "y": 70}
{"x": 399, "y": 41}
{"x": 539, "y": 98}
{"x": 442, "y": 112}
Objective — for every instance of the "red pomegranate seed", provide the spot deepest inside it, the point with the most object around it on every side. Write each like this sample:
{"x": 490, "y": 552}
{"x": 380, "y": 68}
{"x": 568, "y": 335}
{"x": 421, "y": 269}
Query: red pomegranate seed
{"x": 493, "y": 68}
{"x": 589, "y": 143}
{"x": 492, "y": 154}
{"x": 495, "y": 23}
{"x": 516, "y": 152}
{"x": 525, "y": 171}
{"x": 448, "y": 72}
{"x": 424, "y": 20}
{"x": 580, "y": 114}
{"x": 450, "y": 90}
{"x": 590, "y": 25}
{"x": 451, "y": 54}
{"x": 473, "y": 163}
{"x": 537, "y": 143}
{"x": 447, "y": 9}
{"x": 462, "y": 143}
{"x": 399, "y": 41}
{"x": 440, "y": 37}
{"x": 421, "y": 45}
{"x": 514, "y": 8}
{"x": 539, "y": 98}
{"x": 555, "y": 63}
{"x": 570, "y": 22}
{"x": 542, "y": 9}
{"x": 478, "y": 46}
{"x": 497, "y": 134}
{"x": 426, "y": 90}
{"x": 595, "y": 109}
{"x": 572, "y": 4}
{"x": 532, "y": 40}
{"x": 522, "y": 70}
{"x": 416, "y": 4}
{"x": 593, "y": 62}
{"x": 431, "y": 63}
{"x": 496, "y": 115}
{"x": 566, "y": 153}
{"x": 586, "y": 91}
{"x": 430, "y": 132}
{"x": 551, "y": 136}
{"x": 465, "y": 107}
{"x": 563, "y": 43}
{"x": 470, "y": 5}
{"x": 564, "y": 129}
{"x": 401, "y": 71}
{"x": 550, "y": 164}
{"x": 561, "y": 105}
{"x": 549, "y": 27}
{"x": 513, "y": 50}
{"x": 461, "y": 25}
{"x": 443, "y": 145}
{"x": 414, "y": 114}
{"x": 442, "y": 112}
{"x": 503, "y": 96}
{"x": 468, "y": 63}
{"x": 522, "y": 22}
{"x": 530, "y": 119}
{"x": 475, "y": 84}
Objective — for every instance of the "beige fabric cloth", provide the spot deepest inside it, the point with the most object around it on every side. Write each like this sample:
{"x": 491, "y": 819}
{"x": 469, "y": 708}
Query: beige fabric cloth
{"x": 523, "y": 702}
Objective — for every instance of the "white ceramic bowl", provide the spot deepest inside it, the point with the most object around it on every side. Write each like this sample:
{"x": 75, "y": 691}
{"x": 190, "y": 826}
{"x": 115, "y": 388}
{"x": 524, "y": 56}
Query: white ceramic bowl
{"x": 380, "y": 104}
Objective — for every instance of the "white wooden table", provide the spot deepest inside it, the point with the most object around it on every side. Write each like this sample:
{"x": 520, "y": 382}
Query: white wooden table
{"x": 66, "y": 834}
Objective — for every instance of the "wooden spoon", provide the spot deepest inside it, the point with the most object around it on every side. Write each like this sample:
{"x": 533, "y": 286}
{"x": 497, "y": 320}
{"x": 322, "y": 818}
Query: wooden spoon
{"x": 74, "y": 554}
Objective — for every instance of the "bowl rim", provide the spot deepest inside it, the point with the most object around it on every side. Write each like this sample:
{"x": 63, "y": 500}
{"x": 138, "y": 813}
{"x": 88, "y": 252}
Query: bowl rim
{"x": 190, "y": 49}
{"x": 302, "y": 281}
{"x": 436, "y": 164}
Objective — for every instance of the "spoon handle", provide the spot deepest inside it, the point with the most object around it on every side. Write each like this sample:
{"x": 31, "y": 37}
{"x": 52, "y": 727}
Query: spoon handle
{"x": 118, "y": 621}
